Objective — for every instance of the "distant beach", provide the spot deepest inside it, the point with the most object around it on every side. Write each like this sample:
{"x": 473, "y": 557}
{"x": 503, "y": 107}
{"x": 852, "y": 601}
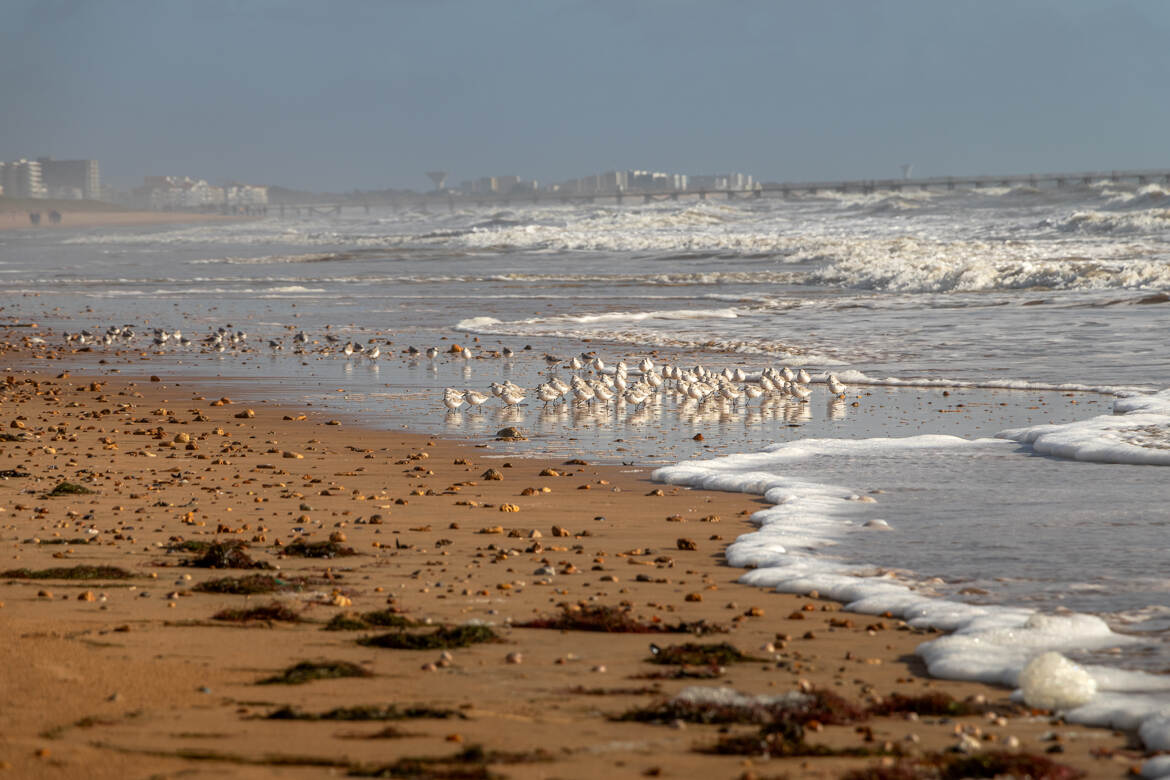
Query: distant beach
{"x": 14, "y": 214}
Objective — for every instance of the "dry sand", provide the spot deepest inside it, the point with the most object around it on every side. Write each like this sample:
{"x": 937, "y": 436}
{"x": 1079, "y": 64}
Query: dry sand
{"x": 136, "y": 678}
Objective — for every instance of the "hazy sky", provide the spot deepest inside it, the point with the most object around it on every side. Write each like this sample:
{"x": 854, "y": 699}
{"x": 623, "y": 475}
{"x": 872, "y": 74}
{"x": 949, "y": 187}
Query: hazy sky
{"x": 349, "y": 94}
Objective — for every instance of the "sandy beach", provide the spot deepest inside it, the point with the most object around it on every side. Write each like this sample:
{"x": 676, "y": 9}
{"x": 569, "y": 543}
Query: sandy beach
{"x": 159, "y": 666}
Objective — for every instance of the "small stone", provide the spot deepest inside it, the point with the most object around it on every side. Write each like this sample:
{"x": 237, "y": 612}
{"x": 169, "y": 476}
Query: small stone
{"x": 493, "y": 474}
{"x": 87, "y": 596}
{"x": 694, "y": 597}
{"x": 292, "y": 455}
{"x": 247, "y": 414}
{"x": 182, "y": 438}
{"x": 687, "y": 544}
{"x": 514, "y": 658}
{"x": 600, "y": 668}
{"x": 559, "y": 531}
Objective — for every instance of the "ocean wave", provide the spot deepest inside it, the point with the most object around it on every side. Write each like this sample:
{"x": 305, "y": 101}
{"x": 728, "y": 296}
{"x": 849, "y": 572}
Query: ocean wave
{"x": 637, "y": 329}
{"x": 318, "y": 257}
{"x": 1112, "y": 223}
{"x": 855, "y": 377}
{"x": 973, "y": 272}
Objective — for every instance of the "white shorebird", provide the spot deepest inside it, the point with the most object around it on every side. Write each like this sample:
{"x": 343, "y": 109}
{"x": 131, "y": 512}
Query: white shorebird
{"x": 452, "y": 398}
{"x": 799, "y": 391}
{"x": 474, "y": 398}
{"x": 835, "y": 386}
{"x": 803, "y": 377}
{"x": 432, "y": 352}
{"x": 349, "y": 350}
{"x": 548, "y": 394}
{"x": 512, "y": 397}
{"x": 583, "y": 393}
{"x": 374, "y": 353}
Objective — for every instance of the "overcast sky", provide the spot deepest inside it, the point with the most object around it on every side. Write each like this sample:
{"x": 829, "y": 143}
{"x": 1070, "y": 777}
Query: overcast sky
{"x": 350, "y": 94}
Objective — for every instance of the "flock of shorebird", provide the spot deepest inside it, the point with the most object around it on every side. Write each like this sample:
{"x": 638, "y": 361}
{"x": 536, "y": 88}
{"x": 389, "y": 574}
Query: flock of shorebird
{"x": 592, "y": 382}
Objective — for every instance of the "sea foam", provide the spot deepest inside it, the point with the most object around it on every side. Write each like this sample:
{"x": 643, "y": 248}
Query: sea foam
{"x": 986, "y": 643}
{"x": 1138, "y": 434}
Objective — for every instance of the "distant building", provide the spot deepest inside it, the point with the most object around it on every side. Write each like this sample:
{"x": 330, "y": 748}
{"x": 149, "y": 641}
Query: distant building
{"x": 721, "y": 181}
{"x": 654, "y": 181}
{"x": 22, "y": 179}
{"x": 246, "y": 195}
{"x": 167, "y": 193}
{"x": 71, "y": 179}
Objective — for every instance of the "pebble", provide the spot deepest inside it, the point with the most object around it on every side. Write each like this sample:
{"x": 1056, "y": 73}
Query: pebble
{"x": 968, "y": 744}
{"x": 514, "y": 658}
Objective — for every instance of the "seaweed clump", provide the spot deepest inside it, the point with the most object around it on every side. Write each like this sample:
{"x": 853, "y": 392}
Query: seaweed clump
{"x": 248, "y": 585}
{"x": 327, "y": 549}
{"x": 695, "y": 654}
{"x": 307, "y": 671}
{"x": 227, "y": 555}
{"x": 951, "y": 766}
{"x": 68, "y": 489}
{"x": 367, "y": 712}
{"x": 382, "y": 618}
{"x": 468, "y": 764}
{"x": 70, "y": 573}
{"x": 727, "y": 706}
{"x": 938, "y": 704}
{"x": 614, "y": 620}
{"x": 441, "y": 639}
{"x": 270, "y": 613}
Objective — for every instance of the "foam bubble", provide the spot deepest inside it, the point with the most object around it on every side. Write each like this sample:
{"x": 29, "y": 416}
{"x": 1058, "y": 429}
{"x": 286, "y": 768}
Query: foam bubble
{"x": 1052, "y": 682}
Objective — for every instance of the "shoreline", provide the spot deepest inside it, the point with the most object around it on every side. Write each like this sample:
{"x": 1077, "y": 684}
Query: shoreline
{"x": 444, "y": 548}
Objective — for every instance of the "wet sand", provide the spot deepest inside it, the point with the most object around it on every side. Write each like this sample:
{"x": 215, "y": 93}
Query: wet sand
{"x": 135, "y": 676}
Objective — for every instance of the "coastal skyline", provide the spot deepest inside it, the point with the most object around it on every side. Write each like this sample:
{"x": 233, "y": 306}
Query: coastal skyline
{"x": 371, "y": 95}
